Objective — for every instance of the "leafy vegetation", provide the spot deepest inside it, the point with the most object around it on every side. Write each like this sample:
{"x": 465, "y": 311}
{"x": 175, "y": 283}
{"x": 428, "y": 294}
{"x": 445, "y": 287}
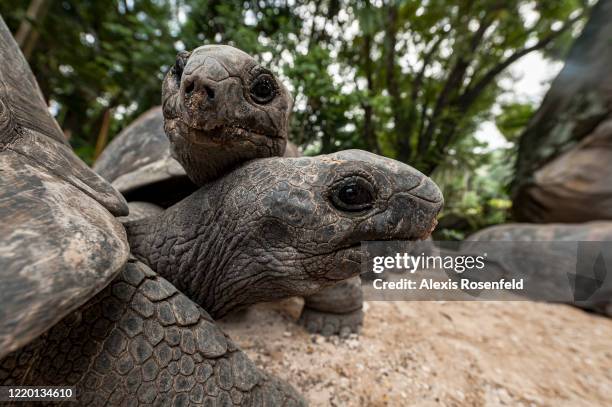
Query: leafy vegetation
{"x": 409, "y": 79}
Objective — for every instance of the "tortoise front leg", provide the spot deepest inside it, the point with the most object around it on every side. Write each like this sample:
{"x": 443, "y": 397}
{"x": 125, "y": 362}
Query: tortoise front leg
{"x": 142, "y": 342}
{"x": 336, "y": 310}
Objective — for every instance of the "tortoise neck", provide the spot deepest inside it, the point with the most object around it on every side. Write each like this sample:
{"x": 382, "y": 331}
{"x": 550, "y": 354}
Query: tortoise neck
{"x": 140, "y": 235}
{"x": 185, "y": 244}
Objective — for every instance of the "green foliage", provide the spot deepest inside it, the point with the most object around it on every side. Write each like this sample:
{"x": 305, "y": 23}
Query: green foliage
{"x": 475, "y": 193}
{"x": 321, "y": 110}
{"x": 476, "y": 181}
{"x": 513, "y": 119}
{"x": 92, "y": 56}
{"x": 409, "y": 79}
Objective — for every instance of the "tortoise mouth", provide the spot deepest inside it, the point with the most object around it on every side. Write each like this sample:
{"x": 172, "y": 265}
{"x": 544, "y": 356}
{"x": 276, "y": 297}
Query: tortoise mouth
{"x": 347, "y": 263}
{"x": 224, "y": 133}
{"x": 347, "y": 259}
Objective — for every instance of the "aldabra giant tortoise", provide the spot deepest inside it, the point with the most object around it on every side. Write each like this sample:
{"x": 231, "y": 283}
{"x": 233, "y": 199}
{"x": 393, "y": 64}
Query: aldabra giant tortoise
{"x": 139, "y": 164}
{"x": 76, "y": 309}
{"x": 221, "y": 109}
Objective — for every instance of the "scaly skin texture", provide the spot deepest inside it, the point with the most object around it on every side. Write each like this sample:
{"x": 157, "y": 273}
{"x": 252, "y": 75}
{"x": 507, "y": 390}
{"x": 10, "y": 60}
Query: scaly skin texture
{"x": 141, "y": 342}
{"x": 275, "y": 228}
{"x": 221, "y": 109}
{"x": 337, "y": 310}
{"x": 139, "y": 165}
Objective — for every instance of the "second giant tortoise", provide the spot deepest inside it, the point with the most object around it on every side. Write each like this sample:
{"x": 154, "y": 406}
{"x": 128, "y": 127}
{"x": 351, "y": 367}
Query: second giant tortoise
{"x": 139, "y": 163}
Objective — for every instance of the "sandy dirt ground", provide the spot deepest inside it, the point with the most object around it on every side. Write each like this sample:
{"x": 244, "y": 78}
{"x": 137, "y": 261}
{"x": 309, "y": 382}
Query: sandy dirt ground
{"x": 439, "y": 354}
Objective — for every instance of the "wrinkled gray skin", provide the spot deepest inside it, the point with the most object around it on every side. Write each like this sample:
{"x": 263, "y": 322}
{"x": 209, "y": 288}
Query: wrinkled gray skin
{"x": 334, "y": 310}
{"x": 75, "y": 310}
{"x": 221, "y": 109}
{"x": 279, "y": 227}
{"x": 138, "y": 163}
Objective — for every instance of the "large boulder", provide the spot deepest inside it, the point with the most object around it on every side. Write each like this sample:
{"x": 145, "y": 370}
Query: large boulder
{"x": 574, "y": 187}
{"x": 564, "y": 161}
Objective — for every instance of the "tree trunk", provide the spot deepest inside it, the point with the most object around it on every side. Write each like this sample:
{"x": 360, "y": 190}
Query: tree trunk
{"x": 579, "y": 101}
{"x": 27, "y": 34}
{"x": 103, "y": 133}
{"x": 369, "y": 132}
{"x": 404, "y": 152}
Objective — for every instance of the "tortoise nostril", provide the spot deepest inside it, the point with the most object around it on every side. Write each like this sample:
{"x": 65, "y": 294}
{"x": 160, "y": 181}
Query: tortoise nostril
{"x": 190, "y": 88}
{"x": 209, "y": 92}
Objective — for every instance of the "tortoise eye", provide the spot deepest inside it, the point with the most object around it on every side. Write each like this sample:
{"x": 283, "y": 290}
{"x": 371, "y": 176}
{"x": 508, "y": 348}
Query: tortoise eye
{"x": 263, "y": 89}
{"x": 353, "y": 194}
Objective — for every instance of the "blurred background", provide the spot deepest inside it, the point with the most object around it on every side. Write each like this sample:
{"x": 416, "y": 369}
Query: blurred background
{"x": 446, "y": 86}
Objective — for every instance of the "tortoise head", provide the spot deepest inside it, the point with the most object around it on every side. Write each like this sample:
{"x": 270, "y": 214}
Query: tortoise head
{"x": 222, "y": 108}
{"x": 280, "y": 227}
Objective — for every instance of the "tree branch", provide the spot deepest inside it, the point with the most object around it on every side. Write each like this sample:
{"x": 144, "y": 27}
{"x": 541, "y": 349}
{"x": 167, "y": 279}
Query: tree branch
{"x": 403, "y": 137}
{"x": 454, "y": 82}
{"x": 369, "y": 132}
{"x": 27, "y": 33}
{"x": 417, "y": 84}
{"x": 473, "y": 92}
